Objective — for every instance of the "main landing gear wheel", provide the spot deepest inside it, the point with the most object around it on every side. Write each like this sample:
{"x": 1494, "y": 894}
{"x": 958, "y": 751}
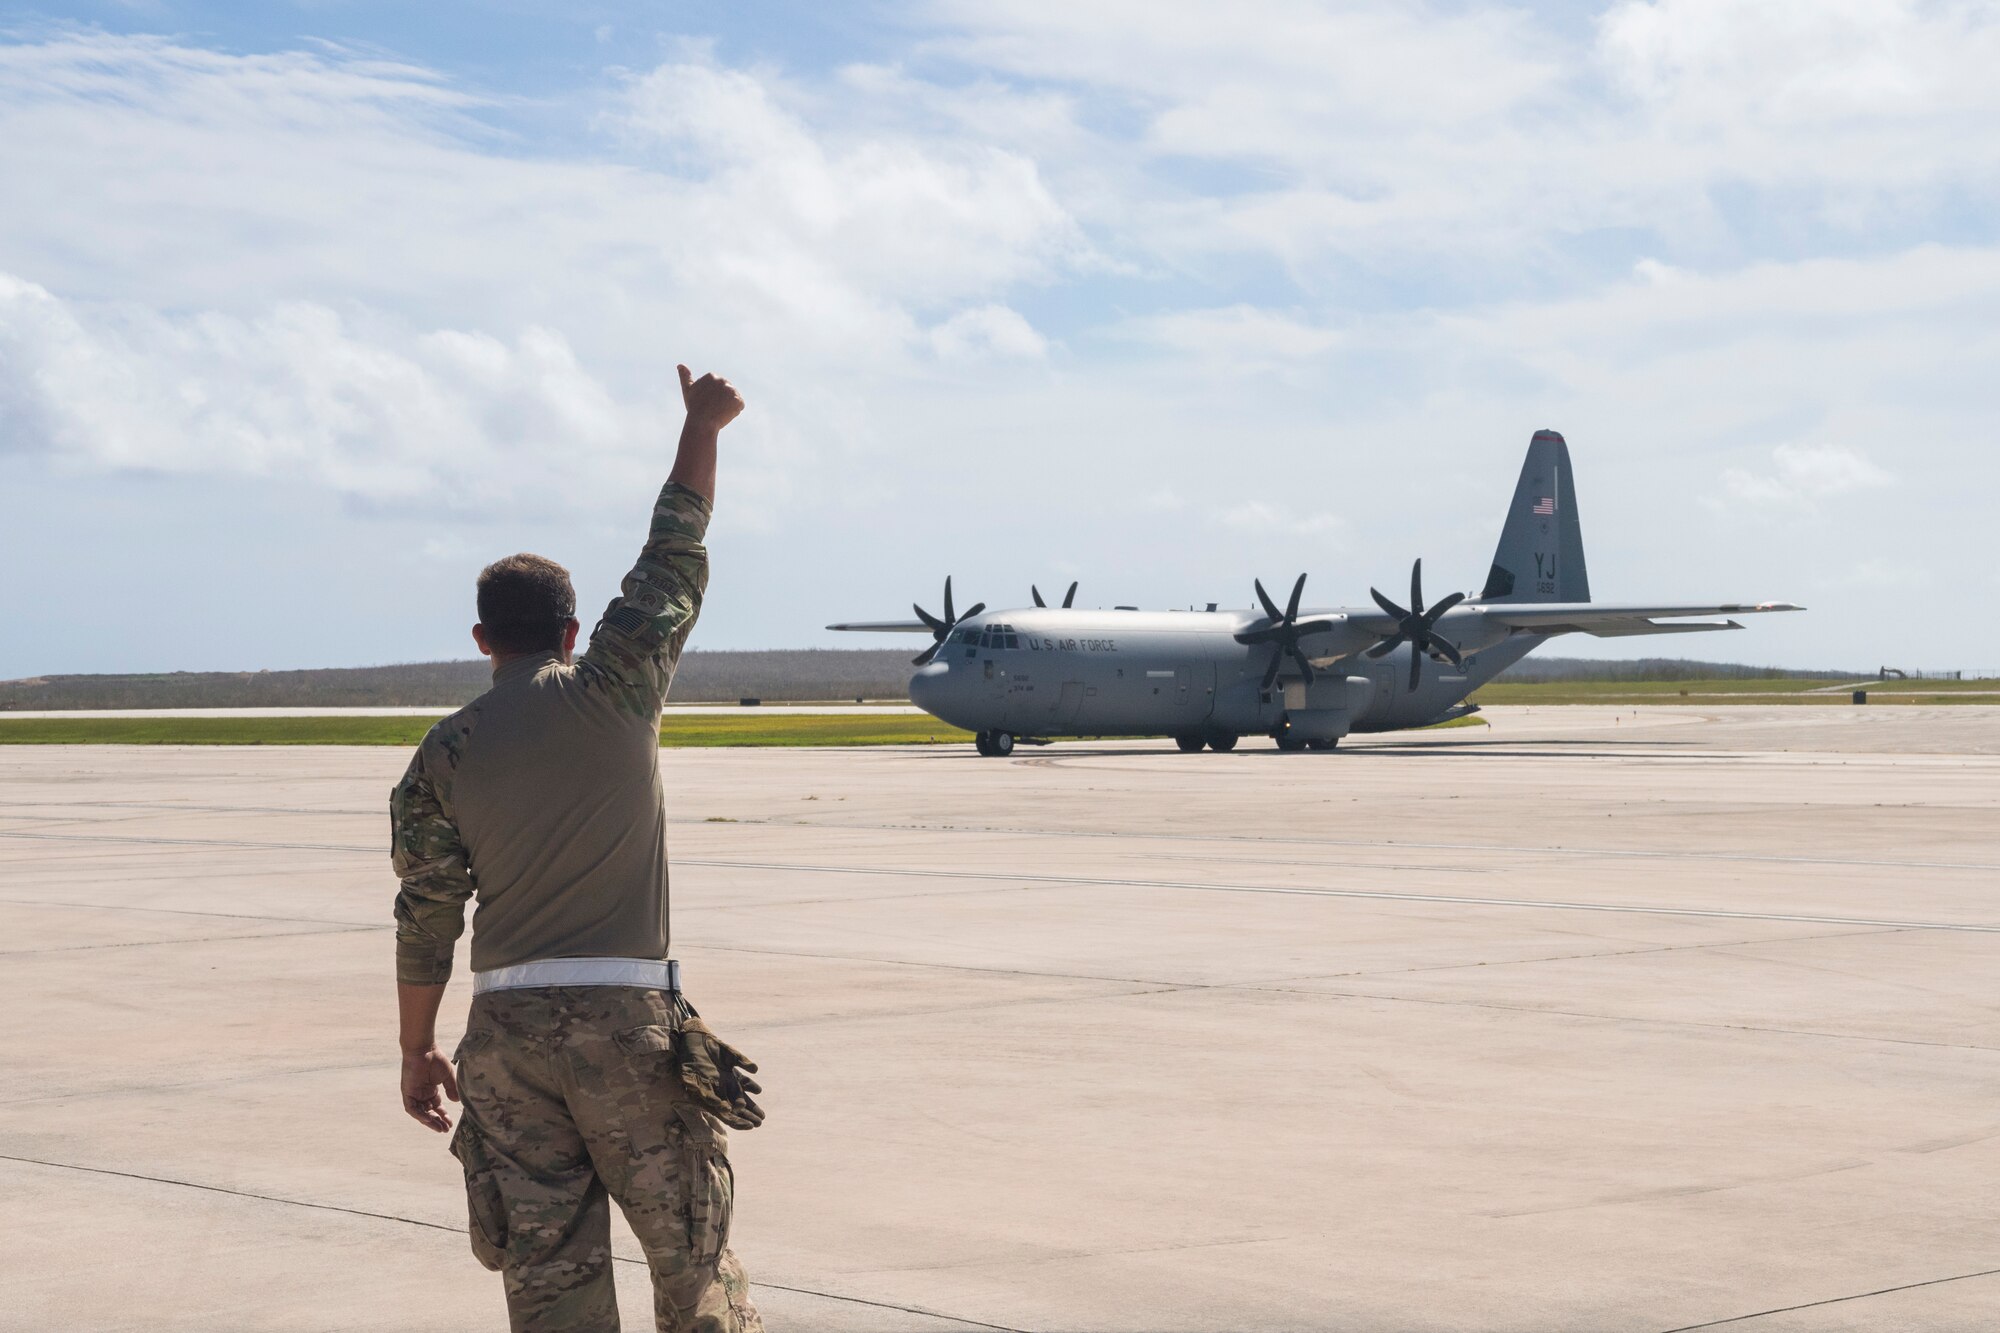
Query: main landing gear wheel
{"x": 995, "y": 744}
{"x": 1189, "y": 744}
{"x": 1222, "y": 744}
{"x": 1321, "y": 745}
{"x": 1289, "y": 742}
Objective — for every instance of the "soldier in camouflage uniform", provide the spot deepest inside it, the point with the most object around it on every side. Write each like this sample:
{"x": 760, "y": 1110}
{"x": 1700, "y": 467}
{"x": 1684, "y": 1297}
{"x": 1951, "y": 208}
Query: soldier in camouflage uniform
{"x": 584, "y": 1073}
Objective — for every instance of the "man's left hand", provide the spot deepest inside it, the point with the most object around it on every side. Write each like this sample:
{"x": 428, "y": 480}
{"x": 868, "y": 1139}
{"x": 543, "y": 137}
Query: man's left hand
{"x": 424, "y": 1072}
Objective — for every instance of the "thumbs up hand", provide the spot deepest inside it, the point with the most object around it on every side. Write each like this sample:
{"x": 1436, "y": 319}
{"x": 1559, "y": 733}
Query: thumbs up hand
{"x": 712, "y": 402}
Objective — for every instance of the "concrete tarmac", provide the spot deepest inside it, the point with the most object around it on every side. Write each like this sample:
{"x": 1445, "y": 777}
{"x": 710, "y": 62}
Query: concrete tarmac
{"x": 1592, "y": 1020}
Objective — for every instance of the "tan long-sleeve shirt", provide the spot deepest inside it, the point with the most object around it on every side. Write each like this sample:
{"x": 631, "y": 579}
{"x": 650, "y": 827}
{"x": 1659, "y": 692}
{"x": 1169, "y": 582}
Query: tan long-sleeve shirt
{"x": 541, "y": 799}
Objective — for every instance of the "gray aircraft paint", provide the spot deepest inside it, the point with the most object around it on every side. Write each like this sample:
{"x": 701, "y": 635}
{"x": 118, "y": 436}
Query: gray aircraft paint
{"x": 1047, "y": 672}
{"x": 1540, "y": 557}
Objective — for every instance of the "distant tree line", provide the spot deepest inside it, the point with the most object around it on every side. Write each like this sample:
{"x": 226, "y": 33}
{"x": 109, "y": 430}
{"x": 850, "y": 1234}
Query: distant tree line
{"x": 704, "y": 677}
{"x": 1658, "y": 668}
{"x": 777, "y": 675}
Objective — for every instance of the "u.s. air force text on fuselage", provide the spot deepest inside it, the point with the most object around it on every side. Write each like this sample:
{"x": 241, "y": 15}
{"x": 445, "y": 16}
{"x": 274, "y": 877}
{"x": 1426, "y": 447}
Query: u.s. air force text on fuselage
{"x": 1304, "y": 677}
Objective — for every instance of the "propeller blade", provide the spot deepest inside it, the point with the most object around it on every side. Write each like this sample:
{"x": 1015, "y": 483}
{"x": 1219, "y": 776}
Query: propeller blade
{"x": 1305, "y": 667}
{"x": 1271, "y": 671}
{"x": 1270, "y": 607}
{"x": 1069, "y": 596}
{"x": 923, "y": 658}
{"x": 1038, "y": 595}
{"x": 1416, "y": 667}
{"x": 1431, "y": 616}
{"x": 938, "y": 627}
{"x": 947, "y": 601}
{"x": 1383, "y": 649}
{"x": 1264, "y": 635}
{"x": 972, "y": 611}
{"x": 1388, "y": 605}
{"x": 1292, "y": 607}
{"x": 1448, "y": 649}
{"x": 1417, "y": 586}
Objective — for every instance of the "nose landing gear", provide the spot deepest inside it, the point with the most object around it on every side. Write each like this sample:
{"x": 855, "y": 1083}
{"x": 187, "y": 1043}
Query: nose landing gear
{"x": 994, "y": 744}
{"x": 1291, "y": 741}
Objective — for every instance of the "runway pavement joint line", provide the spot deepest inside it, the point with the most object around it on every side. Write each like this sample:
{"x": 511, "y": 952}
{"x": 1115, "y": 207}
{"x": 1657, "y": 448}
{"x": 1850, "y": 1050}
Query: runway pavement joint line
{"x": 197, "y": 939}
{"x": 1607, "y": 1018}
{"x": 188, "y": 911}
{"x": 1836, "y": 1300}
{"x": 456, "y": 1231}
{"x": 1641, "y": 853}
{"x": 1375, "y": 895}
{"x": 1492, "y": 963}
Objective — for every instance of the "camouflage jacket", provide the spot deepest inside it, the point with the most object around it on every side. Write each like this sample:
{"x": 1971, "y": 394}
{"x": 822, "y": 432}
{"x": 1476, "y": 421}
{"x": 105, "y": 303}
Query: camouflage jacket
{"x": 467, "y": 820}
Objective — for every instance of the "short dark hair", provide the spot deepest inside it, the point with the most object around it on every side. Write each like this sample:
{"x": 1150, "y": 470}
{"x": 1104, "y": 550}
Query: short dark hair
{"x": 525, "y": 602}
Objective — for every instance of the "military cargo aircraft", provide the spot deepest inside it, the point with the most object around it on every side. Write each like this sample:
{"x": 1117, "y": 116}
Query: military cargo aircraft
{"x": 1304, "y": 677}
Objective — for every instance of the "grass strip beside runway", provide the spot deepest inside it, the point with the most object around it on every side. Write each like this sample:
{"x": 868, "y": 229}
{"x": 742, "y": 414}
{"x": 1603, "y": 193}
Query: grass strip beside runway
{"x": 1706, "y": 693}
{"x": 699, "y": 730}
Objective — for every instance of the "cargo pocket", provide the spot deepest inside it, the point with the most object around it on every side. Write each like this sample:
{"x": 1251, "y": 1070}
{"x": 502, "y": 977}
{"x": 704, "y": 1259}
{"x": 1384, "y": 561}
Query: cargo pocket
{"x": 653, "y": 1039}
{"x": 486, "y": 1221}
{"x": 711, "y": 1187}
{"x": 474, "y": 1041}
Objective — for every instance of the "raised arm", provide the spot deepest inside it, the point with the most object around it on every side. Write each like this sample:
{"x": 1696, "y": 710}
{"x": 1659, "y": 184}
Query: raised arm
{"x": 711, "y": 404}
{"x": 640, "y": 637}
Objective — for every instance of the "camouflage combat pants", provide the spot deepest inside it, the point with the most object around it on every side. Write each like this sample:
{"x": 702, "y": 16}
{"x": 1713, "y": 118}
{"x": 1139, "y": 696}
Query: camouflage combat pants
{"x": 570, "y": 1096}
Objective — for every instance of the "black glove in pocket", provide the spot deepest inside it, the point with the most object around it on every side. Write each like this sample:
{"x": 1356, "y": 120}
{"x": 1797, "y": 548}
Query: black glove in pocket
{"x": 717, "y": 1075}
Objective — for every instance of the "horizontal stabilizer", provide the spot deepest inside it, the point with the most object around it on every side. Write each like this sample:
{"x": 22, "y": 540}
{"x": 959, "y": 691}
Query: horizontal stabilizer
{"x": 1611, "y": 621}
{"x": 1618, "y": 629}
{"x": 1584, "y": 617}
{"x": 884, "y": 626}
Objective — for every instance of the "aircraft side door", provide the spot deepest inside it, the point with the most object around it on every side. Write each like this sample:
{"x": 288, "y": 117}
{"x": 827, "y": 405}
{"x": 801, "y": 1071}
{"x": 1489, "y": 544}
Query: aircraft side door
{"x": 1194, "y": 689}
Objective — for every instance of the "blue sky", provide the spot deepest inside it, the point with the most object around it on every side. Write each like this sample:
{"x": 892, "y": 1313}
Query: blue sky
{"x": 308, "y": 310}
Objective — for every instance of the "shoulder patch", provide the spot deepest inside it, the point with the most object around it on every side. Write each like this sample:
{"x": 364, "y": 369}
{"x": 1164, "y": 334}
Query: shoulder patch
{"x": 626, "y": 620}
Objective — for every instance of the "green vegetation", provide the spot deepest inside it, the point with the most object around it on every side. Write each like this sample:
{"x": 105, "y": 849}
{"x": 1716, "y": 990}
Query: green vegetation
{"x": 778, "y": 675}
{"x": 1745, "y": 691}
{"x": 704, "y": 729}
{"x": 808, "y": 729}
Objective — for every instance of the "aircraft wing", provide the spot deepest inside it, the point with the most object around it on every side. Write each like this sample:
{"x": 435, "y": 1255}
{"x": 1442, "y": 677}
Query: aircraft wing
{"x": 884, "y": 626}
{"x": 1609, "y": 620}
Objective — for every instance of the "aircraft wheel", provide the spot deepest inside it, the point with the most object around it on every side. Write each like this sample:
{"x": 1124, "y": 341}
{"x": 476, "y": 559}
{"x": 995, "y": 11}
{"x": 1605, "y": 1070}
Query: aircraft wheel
{"x": 1321, "y": 745}
{"x": 999, "y": 744}
{"x": 1222, "y": 744}
{"x": 1289, "y": 743}
{"x": 983, "y": 742}
{"x": 1189, "y": 744}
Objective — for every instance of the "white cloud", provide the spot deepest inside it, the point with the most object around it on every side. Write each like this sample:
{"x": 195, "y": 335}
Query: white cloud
{"x": 987, "y": 331}
{"x": 897, "y": 216}
{"x": 1803, "y": 474}
{"x": 456, "y": 418}
{"x": 1237, "y": 336}
{"x": 326, "y": 267}
{"x": 1464, "y": 136}
{"x": 1264, "y": 520}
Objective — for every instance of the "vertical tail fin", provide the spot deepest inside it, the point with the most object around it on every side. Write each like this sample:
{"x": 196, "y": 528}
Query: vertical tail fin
{"x": 1540, "y": 557}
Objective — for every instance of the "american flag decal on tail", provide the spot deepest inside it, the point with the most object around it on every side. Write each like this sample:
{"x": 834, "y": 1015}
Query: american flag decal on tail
{"x": 1547, "y": 506}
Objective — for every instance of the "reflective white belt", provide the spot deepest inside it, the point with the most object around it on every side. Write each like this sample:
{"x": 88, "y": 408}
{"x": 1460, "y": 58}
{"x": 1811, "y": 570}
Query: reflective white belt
{"x": 650, "y": 973}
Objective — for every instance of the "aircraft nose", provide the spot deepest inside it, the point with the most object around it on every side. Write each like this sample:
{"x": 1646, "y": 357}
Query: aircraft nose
{"x": 928, "y": 687}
